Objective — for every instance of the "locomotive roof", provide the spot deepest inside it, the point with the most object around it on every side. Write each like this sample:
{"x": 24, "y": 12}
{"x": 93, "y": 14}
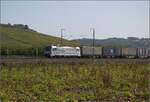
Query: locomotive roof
{"x": 64, "y": 47}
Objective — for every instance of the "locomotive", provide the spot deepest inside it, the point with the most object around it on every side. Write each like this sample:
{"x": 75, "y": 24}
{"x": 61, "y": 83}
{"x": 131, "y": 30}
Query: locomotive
{"x": 97, "y": 52}
{"x": 62, "y": 51}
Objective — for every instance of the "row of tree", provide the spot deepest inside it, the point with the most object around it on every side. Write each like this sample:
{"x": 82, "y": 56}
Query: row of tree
{"x": 25, "y": 52}
{"x": 21, "y": 26}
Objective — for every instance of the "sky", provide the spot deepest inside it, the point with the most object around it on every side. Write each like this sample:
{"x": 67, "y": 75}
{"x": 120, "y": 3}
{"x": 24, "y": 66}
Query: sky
{"x": 120, "y": 19}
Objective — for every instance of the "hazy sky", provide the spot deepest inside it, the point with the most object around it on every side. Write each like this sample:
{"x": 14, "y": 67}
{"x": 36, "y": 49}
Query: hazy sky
{"x": 109, "y": 18}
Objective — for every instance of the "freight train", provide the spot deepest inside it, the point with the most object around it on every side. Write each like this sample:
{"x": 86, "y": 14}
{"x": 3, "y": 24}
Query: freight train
{"x": 97, "y": 52}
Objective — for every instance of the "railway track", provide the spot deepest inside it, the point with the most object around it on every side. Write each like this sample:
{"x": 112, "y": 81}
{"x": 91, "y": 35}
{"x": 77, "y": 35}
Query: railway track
{"x": 67, "y": 60}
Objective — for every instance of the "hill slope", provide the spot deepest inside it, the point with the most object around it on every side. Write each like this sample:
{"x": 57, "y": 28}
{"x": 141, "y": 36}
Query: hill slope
{"x": 17, "y": 40}
{"x": 129, "y": 42}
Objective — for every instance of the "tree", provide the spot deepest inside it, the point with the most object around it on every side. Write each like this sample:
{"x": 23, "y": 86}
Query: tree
{"x": 9, "y": 24}
{"x": 26, "y": 27}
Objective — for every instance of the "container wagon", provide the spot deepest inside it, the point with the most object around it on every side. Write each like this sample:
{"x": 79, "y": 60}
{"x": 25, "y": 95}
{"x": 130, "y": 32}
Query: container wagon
{"x": 148, "y": 49}
{"x": 89, "y": 51}
{"x": 111, "y": 52}
{"x": 129, "y": 52}
{"x": 142, "y": 52}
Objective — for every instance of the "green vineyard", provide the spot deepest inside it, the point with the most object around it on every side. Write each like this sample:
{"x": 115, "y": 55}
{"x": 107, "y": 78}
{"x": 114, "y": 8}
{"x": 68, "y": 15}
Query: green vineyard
{"x": 71, "y": 81}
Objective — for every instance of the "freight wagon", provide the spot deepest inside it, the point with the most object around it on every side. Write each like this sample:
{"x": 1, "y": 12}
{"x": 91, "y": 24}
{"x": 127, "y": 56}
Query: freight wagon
{"x": 142, "y": 52}
{"x": 148, "y": 52}
{"x": 129, "y": 52}
{"x": 111, "y": 52}
{"x": 89, "y": 51}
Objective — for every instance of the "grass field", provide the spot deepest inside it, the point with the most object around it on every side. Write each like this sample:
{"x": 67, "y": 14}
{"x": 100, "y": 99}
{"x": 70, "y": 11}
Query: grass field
{"x": 73, "y": 80}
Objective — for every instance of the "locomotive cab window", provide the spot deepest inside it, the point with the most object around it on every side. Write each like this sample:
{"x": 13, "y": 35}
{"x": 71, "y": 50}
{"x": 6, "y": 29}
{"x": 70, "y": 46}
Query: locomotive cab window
{"x": 54, "y": 49}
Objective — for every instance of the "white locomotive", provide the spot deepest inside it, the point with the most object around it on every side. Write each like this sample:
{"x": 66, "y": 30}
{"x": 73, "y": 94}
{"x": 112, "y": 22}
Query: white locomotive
{"x": 62, "y": 51}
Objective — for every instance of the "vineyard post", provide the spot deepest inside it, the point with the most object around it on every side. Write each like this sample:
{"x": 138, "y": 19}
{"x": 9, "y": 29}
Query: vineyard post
{"x": 36, "y": 52}
{"x": 7, "y": 52}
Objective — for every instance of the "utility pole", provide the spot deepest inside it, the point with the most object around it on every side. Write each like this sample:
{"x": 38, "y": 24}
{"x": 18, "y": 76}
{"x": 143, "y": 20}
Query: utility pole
{"x": 61, "y": 31}
{"x": 149, "y": 34}
{"x": 93, "y": 32}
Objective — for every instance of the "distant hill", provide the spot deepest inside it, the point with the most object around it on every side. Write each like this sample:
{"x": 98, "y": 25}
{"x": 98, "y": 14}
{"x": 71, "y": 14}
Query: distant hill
{"x": 129, "y": 42}
{"x": 20, "y": 39}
